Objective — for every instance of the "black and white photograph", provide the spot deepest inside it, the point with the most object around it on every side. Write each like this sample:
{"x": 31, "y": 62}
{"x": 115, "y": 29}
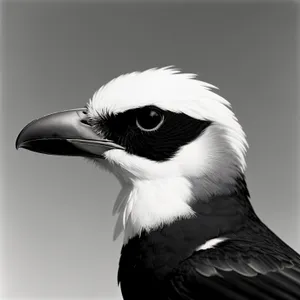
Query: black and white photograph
{"x": 150, "y": 150}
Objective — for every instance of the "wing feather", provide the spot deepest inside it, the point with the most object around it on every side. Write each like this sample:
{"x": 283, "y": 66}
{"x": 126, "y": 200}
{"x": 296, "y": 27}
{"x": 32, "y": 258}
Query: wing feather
{"x": 239, "y": 270}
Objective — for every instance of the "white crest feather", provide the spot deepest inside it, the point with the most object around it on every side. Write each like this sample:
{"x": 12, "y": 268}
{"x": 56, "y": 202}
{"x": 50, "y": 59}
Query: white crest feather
{"x": 211, "y": 243}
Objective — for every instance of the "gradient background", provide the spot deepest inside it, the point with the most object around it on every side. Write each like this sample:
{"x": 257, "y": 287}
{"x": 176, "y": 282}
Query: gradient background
{"x": 56, "y": 223}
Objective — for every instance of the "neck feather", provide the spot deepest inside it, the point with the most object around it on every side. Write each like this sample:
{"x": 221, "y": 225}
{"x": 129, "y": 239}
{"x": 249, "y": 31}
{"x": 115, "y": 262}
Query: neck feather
{"x": 145, "y": 205}
{"x": 149, "y": 204}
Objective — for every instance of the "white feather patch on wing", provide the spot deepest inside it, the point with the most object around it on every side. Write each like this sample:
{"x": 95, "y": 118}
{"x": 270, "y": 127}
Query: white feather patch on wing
{"x": 211, "y": 243}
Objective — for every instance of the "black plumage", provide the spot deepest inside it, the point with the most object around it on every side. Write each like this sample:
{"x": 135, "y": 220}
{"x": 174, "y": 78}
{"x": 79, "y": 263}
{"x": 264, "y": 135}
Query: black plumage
{"x": 253, "y": 263}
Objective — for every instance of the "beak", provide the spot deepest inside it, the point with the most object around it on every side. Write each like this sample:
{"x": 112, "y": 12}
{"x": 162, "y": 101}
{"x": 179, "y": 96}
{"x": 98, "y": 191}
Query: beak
{"x": 64, "y": 133}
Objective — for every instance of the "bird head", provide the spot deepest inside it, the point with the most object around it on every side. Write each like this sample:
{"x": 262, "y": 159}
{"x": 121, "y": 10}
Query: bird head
{"x": 167, "y": 137}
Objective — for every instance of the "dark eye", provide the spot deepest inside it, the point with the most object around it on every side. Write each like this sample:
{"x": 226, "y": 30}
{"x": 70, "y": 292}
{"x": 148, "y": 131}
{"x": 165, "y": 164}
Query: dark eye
{"x": 149, "y": 119}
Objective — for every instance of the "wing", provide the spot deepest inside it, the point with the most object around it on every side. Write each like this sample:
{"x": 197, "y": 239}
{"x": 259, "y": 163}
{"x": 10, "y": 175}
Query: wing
{"x": 240, "y": 270}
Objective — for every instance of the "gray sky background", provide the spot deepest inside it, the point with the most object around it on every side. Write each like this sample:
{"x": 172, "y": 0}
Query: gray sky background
{"x": 56, "y": 223}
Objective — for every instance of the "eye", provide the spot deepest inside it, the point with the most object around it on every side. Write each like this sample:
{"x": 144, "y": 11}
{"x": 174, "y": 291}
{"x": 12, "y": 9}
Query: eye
{"x": 149, "y": 119}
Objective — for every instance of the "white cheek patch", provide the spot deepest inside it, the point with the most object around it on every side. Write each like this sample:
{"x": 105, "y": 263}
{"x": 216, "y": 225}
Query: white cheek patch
{"x": 206, "y": 162}
{"x": 211, "y": 243}
{"x": 140, "y": 167}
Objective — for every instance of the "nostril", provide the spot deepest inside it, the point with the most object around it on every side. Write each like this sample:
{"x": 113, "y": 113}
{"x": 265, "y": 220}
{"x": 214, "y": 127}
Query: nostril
{"x": 85, "y": 122}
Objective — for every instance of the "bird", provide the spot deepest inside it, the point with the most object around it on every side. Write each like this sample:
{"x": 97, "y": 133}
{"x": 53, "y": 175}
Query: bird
{"x": 179, "y": 152}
